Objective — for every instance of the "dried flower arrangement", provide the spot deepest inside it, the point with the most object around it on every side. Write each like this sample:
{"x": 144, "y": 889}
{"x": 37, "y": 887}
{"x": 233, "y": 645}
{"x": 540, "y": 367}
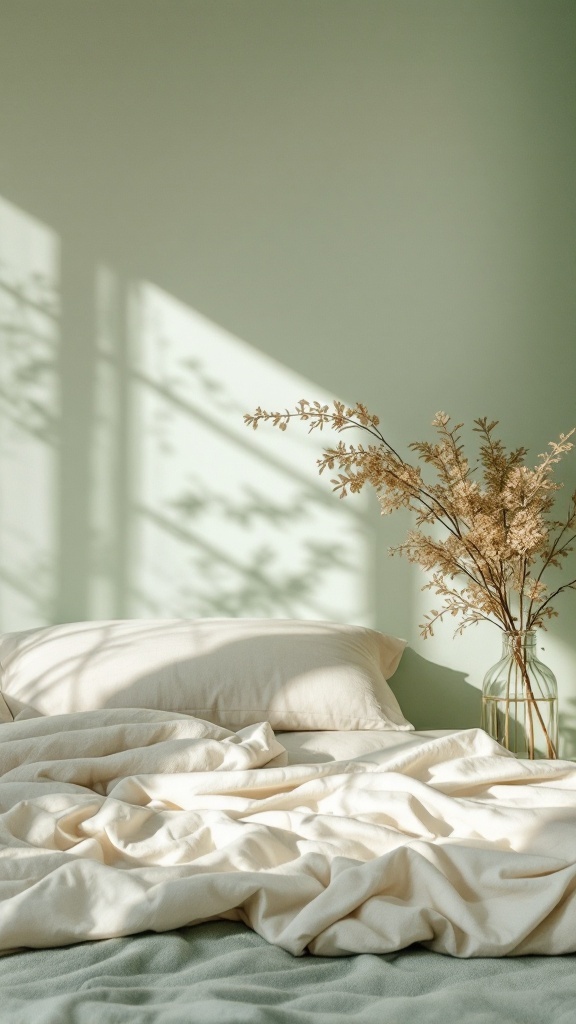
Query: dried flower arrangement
{"x": 499, "y": 534}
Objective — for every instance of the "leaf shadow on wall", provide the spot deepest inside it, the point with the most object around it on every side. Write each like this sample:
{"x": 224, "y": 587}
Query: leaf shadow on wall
{"x": 260, "y": 588}
{"x": 225, "y": 526}
{"x": 30, "y": 430}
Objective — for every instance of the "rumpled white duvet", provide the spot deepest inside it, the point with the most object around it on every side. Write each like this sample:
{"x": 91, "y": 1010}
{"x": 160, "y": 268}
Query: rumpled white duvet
{"x": 118, "y": 821}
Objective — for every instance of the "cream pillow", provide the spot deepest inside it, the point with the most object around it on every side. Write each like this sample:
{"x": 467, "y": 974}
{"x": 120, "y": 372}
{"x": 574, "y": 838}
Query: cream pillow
{"x": 297, "y": 675}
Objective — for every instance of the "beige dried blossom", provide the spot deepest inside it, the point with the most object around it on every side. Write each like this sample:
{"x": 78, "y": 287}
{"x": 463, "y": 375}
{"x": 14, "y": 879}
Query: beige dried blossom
{"x": 499, "y": 536}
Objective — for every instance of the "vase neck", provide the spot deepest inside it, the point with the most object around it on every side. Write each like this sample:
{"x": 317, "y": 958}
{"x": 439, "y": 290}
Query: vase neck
{"x": 523, "y": 642}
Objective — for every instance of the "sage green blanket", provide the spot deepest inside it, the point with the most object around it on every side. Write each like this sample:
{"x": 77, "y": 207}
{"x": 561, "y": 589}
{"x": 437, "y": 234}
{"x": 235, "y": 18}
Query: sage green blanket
{"x": 222, "y": 973}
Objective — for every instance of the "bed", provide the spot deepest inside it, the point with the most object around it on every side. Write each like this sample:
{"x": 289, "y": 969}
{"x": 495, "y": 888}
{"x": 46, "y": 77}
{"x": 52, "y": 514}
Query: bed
{"x": 228, "y": 820}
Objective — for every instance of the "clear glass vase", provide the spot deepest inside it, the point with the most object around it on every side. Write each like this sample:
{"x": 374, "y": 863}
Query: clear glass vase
{"x": 520, "y": 700}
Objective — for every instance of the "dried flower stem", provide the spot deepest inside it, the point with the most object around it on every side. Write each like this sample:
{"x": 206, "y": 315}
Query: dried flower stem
{"x": 497, "y": 528}
{"x": 500, "y": 539}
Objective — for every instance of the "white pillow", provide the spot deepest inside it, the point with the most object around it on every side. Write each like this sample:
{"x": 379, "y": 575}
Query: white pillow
{"x": 297, "y": 675}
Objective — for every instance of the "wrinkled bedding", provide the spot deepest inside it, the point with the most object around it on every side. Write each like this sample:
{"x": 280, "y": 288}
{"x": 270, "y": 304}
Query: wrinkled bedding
{"x": 123, "y": 821}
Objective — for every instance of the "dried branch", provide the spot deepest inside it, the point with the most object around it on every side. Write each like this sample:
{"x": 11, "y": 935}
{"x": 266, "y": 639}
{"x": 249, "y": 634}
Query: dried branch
{"x": 500, "y": 537}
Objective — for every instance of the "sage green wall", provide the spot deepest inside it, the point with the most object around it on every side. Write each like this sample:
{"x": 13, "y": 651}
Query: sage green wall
{"x": 206, "y": 204}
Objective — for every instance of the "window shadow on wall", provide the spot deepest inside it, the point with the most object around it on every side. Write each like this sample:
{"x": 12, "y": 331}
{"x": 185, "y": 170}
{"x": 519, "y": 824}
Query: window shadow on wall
{"x": 30, "y": 424}
{"x": 131, "y": 486}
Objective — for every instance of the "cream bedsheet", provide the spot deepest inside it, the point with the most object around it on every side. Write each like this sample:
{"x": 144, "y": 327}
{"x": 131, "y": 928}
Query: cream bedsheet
{"x": 316, "y": 747}
{"x": 114, "y": 822}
